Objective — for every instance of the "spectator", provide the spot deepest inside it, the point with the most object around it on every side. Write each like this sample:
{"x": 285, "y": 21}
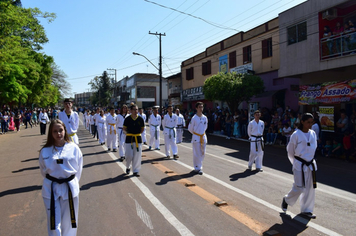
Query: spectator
{"x": 275, "y": 119}
{"x": 237, "y": 128}
{"x": 329, "y": 42}
{"x": 228, "y": 123}
{"x": 17, "y": 121}
{"x": 286, "y": 132}
{"x": 337, "y": 31}
{"x": 336, "y": 149}
{"x": 327, "y": 149}
{"x": 271, "y": 134}
{"x": 342, "y": 123}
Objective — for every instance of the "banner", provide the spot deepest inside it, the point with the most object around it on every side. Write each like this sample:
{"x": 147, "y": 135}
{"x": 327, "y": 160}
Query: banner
{"x": 327, "y": 93}
{"x": 223, "y": 64}
{"x": 326, "y": 116}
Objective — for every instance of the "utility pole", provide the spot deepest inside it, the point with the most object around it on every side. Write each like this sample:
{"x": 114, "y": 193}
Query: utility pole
{"x": 114, "y": 95}
{"x": 160, "y": 68}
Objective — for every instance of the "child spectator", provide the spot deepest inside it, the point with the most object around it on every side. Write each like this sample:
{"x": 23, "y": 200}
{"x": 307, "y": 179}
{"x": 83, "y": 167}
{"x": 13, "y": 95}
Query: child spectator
{"x": 236, "y": 128}
{"x": 271, "y": 134}
{"x": 327, "y": 149}
{"x": 275, "y": 119}
{"x": 336, "y": 149}
{"x": 287, "y": 132}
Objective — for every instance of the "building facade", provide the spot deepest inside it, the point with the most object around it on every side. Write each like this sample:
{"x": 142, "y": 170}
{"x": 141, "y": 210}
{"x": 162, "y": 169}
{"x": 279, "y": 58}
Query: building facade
{"x": 174, "y": 83}
{"x": 82, "y": 99}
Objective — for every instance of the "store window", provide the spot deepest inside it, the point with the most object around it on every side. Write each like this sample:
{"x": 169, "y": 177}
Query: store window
{"x": 206, "y": 68}
{"x": 247, "y": 57}
{"x": 267, "y": 48}
{"x": 297, "y": 33}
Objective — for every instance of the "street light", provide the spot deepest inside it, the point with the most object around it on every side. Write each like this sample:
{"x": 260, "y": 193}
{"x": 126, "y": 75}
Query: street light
{"x": 160, "y": 78}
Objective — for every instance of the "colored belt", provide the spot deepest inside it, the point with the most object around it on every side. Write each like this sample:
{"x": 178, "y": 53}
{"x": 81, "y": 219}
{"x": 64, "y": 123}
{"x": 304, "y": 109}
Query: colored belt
{"x": 258, "y": 139}
{"x": 112, "y": 126}
{"x": 120, "y": 132}
{"x": 70, "y": 199}
{"x": 201, "y": 141}
{"x": 156, "y": 134}
{"x": 71, "y": 136}
{"x": 307, "y": 163}
{"x": 170, "y": 129}
{"x": 179, "y": 126}
{"x": 134, "y": 136}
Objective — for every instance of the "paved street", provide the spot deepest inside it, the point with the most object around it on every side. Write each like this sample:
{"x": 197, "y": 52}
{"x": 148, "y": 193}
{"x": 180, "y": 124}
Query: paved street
{"x": 163, "y": 201}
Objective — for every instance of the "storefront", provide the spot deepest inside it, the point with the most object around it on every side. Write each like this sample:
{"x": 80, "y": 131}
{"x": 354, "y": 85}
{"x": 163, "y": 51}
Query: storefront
{"x": 193, "y": 95}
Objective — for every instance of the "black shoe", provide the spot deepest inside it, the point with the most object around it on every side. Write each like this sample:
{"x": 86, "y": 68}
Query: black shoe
{"x": 175, "y": 157}
{"x": 128, "y": 171}
{"x": 109, "y": 149}
{"x": 309, "y": 215}
{"x": 200, "y": 172}
{"x": 145, "y": 143}
{"x": 168, "y": 157}
{"x": 114, "y": 150}
{"x": 136, "y": 174}
{"x": 259, "y": 169}
{"x": 122, "y": 159}
{"x": 284, "y": 205}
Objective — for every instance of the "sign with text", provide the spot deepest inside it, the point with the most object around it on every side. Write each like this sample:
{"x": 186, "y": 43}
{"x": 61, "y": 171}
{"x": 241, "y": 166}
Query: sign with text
{"x": 223, "y": 64}
{"x": 193, "y": 94}
{"x": 242, "y": 69}
{"x": 326, "y": 116}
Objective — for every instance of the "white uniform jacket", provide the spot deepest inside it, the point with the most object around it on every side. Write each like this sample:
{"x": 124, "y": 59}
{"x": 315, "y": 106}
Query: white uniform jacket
{"x": 169, "y": 124}
{"x": 111, "y": 124}
{"x": 154, "y": 122}
{"x": 43, "y": 118}
{"x": 181, "y": 121}
{"x": 71, "y": 123}
{"x": 143, "y": 115}
{"x": 72, "y": 165}
{"x": 255, "y": 129}
{"x": 92, "y": 120}
{"x": 96, "y": 118}
{"x": 198, "y": 125}
{"x": 302, "y": 145}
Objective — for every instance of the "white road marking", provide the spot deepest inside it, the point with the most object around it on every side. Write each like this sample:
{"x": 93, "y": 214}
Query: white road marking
{"x": 142, "y": 214}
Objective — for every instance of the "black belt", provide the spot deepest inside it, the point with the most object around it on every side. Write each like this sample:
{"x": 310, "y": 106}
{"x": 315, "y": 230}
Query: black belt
{"x": 70, "y": 199}
{"x": 258, "y": 139}
{"x": 304, "y": 162}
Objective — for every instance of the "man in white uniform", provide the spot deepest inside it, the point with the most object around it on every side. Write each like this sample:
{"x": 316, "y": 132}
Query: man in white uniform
{"x": 70, "y": 119}
{"x": 154, "y": 122}
{"x": 197, "y": 127}
{"x": 169, "y": 124}
{"x": 180, "y": 126}
{"x": 111, "y": 130}
{"x": 255, "y": 132}
{"x": 121, "y": 136}
{"x": 44, "y": 119}
{"x": 143, "y": 135}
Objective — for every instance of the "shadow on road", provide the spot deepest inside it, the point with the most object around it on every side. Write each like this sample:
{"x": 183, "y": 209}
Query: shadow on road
{"x": 100, "y": 163}
{"x": 290, "y": 226}
{"x": 176, "y": 177}
{"x": 32, "y": 159}
{"x": 24, "y": 169}
{"x": 246, "y": 173}
{"x": 105, "y": 182}
{"x": 21, "y": 190}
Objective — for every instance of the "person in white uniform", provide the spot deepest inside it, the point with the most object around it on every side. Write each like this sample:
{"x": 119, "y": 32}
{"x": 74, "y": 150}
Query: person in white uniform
{"x": 197, "y": 127}
{"x": 71, "y": 120}
{"x": 143, "y": 135}
{"x": 133, "y": 126}
{"x": 180, "y": 126}
{"x": 121, "y": 136}
{"x": 301, "y": 150}
{"x": 169, "y": 124}
{"x": 255, "y": 132}
{"x": 44, "y": 119}
{"x": 61, "y": 165}
{"x": 154, "y": 123}
{"x": 101, "y": 127}
{"x": 96, "y": 119}
{"x": 111, "y": 131}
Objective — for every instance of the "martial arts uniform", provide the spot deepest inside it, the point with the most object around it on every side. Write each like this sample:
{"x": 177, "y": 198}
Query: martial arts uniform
{"x": 71, "y": 123}
{"x": 111, "y": 132}
{"x": 180, "y": 126}
{"x": 154, "y": 122}
{"x": 121, "y": 136}
{"x": 255, "y": 133}
{"x": 133, "y": 143}
{"x": 87, "y": 121}
{"x": 92, "y": 125}
{"x": 143, "y": 135}
{"x": 302, "y": 146}
{"x": 101, "y": 128}
{"x": 96, "y": 118}
{"x": 197, "y": 128}
{"x": 43, "y": 118}
{"x": 61, "y": 164}
{"x": 169, "y": 124}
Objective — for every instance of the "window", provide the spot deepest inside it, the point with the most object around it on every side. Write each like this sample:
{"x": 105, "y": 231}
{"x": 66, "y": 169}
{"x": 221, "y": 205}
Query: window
{"x": 297, "y": 33}
{"x": 206, "y": 68}
{"x": 267, "y": 48}
{"x": 190, "y": 73}
{"x": 247, "y": 54}
{"x": 232, "y": 59}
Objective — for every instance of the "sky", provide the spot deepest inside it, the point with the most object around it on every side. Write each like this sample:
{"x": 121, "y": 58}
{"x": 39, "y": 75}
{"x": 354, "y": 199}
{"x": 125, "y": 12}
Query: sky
{"x": 90, "y": 36}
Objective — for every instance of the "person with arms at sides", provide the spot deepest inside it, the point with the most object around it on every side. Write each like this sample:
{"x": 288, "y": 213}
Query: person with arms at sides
{"x": 255, "y": 132}
{"x": 154, "y": 122}
{"x": 71, "y": 120}
{"x": 197, "y": 127}
{"x": 301, "y": 150}
{"x": 143, "y": 135}
{"x": 169, "y": 124}
{"x": 96, "y": 118}
{"x": 121, "y": 136}
{"x": 61, "y": 165}
{"x": 111, "y": 131}
{"x": 180, "y": 126}
{"x": 101, "y": 127}
{"x": 44, "y": 119}
{"x": 133, "y": 126}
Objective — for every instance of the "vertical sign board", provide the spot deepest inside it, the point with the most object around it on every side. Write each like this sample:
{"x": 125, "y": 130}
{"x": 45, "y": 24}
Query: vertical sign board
{"x": 223, "y": 64}
{"x": 252, "y": 107}
{"x": 326, "y": 116}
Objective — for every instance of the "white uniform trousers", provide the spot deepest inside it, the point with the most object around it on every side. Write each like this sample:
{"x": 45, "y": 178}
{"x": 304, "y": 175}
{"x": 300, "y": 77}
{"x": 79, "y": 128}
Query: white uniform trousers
{"x": 101, "y": 132}
{"x": 112, "y": 140}
{"x": 256, "y": 156}
{"x": 121, "y": 137}
{"x": 307, "y": 193}
{"x": 74, "y": 139}
{"x": 198, "y": 156}
{"x": 153, "y": 141}
{"x": 63, "y": 225}
{"x": 133, "y": 156}
{"x": 179, "y": 135}
{"x": 170, "y": 143}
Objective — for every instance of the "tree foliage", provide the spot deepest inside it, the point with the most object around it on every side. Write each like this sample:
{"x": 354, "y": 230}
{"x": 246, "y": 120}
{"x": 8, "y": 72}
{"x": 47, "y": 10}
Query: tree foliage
{"x": 101, "y": 86}
{"x": 232, "y": 88}
{"x": 25, "y": 72}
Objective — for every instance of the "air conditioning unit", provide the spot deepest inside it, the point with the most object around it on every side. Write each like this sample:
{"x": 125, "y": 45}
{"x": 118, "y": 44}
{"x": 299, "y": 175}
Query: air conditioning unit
{"x": 330, "y": 14}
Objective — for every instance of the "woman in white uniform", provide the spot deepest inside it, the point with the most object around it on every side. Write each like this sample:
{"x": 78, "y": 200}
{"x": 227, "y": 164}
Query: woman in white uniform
{"x": 61, "y": 164}
{"x": 301, "y": 149}
{"x": 101, "y": 127}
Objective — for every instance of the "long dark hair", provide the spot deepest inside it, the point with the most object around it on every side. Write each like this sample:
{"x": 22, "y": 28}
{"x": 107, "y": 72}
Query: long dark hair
{"x": 305, "y": 116}
{"x": 50, "y": 140}
{"x": 122, "y": 109}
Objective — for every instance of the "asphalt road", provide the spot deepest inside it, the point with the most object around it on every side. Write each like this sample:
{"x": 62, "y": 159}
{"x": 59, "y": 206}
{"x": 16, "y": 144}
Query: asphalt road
{"x": 168, "y": 199}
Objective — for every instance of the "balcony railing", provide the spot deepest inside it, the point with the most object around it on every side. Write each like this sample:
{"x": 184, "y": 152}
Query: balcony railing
{"x": 338, "y": 45}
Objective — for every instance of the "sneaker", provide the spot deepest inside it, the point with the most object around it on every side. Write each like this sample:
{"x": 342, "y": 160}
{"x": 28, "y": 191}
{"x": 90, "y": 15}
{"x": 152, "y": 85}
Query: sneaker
{"x": 128, "y": 171}
{"x": 309, "y": 215}
{"x": 259, "y": 169}
{"x": 145, "y": 143}
{"x": 136, "y": 174}
{"x": 200, "y": 172}
{"x": 157, "y": 149}
{"x": 284, "y": 205}
{"x": 115, "y": 150}
{"x": 168, "y": 157}
{"x": 249, "y": 167}
{"x": 109, "y": 149}
{"x": 175, "y": 157}
{"x": 149, "y": 148}
{"x": 122, "y": 159}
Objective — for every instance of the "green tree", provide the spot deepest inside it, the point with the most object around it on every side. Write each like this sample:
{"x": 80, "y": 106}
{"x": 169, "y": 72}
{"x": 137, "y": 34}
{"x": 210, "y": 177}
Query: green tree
{"x": 232, "y": 88}
{"x": 102, "y": 89}
{"x": 60, "y": 82}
